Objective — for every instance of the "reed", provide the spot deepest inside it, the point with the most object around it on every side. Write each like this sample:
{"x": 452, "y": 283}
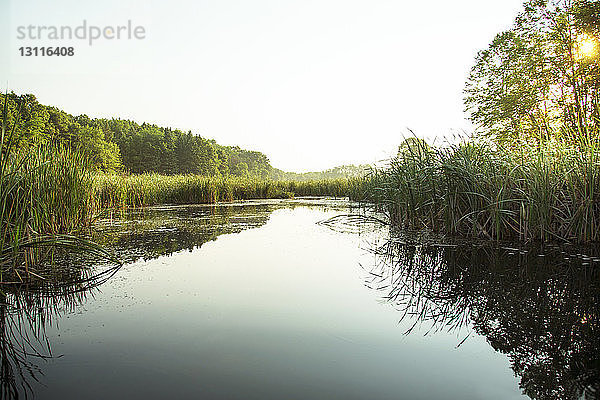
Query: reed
{"x": 46, "y": 201}
{"x": 119, "y": 191}
{"x": 521, "y": 191}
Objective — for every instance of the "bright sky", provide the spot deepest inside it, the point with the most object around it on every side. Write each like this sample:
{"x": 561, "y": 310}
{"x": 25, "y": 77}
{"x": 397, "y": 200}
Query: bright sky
{"x": 311, "y": 83}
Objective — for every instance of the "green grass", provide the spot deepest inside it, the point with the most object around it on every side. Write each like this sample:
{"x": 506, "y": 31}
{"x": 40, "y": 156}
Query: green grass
{"x": 46, "y": 201}
{"x": 50, "y": 196}
{"x": 118, "y": 191}
{"x": 548, "y": 192}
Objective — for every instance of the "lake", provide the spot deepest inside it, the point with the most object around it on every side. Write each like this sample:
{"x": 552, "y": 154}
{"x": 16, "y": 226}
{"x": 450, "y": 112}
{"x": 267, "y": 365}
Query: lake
{"x": 259, "y": 300}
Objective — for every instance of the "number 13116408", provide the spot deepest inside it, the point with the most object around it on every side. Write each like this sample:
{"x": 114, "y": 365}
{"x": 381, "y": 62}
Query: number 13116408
{"x": 46, "y": 51}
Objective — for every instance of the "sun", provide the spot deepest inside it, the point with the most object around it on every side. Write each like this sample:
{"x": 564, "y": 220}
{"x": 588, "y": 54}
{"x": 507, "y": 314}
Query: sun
{"x": 587, "y": 47}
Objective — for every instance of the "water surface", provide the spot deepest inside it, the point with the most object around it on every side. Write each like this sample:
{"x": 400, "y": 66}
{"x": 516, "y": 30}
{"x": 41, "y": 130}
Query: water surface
{"x": 256, "y": 300}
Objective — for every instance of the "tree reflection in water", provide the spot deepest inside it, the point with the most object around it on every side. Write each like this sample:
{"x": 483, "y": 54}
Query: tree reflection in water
{"x": 152, "y": 232}
{"x": 27, "y": 310}
{"x": 538, "y": 305}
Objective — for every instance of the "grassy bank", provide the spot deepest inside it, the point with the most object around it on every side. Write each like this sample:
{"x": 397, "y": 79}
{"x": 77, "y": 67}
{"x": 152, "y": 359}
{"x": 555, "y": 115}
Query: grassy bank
{"x": 522, "y": 192}
{"x": 45, "y": 202}
{"x": 50, "y": 196}
{"x": 46, "y": 199}
{"x": 116, "y": 191}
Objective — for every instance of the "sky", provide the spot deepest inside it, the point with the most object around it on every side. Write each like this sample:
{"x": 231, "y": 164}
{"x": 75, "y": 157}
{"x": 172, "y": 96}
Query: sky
{"x": 312, "y": 84}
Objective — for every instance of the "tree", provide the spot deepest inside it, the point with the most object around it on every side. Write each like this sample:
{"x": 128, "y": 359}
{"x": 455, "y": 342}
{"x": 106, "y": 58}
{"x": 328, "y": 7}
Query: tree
{"x": 241, "y": 169}
{"x": 112, "y": 144}
{"x": 540, "y": 77}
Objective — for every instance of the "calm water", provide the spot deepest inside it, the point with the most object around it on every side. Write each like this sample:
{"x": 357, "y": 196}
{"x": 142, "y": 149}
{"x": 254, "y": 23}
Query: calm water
{"x": 257, "y": 301}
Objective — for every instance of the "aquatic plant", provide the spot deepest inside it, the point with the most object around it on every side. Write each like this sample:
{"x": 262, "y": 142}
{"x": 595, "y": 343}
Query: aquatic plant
{"x": 118, "y": 191}
{"x": 520, "y": 190}
{"x": 45, "y": 202}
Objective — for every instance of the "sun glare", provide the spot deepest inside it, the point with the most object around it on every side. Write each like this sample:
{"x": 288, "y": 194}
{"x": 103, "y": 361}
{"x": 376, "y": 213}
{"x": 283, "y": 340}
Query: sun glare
{"x": 587, "y": 47}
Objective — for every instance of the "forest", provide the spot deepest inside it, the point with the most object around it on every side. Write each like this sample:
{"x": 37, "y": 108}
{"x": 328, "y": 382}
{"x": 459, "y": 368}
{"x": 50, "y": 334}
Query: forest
{"x": 117, "y": 145}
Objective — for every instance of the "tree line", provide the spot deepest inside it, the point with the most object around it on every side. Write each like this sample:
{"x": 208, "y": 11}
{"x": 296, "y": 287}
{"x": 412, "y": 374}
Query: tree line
{"x": 115, "y": 145}
{"x": 342, "y": 171}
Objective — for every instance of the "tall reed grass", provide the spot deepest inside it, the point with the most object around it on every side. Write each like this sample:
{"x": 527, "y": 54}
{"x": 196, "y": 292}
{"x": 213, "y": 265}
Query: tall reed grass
{"x": 528, "y": 191}
{"x": 45, "y": 199}
{"x": 117, "y": 191}
{"x": 46, "y": 195}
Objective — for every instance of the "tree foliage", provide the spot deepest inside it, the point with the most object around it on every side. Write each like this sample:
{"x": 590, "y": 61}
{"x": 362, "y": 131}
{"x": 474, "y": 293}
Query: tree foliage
{"x": 541, "y": 77}
{"x": 124, "y": 145}
{"x": 116, "y": 144}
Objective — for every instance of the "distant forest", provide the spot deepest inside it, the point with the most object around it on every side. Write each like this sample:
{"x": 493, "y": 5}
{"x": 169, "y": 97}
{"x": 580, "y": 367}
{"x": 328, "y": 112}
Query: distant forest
{"x": 117, "y": 145}
{"x": 344, "y": 171}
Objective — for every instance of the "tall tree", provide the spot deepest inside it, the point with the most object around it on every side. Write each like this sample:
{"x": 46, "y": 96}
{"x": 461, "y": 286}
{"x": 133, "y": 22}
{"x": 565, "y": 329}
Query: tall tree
{"x": 540, "y": 77}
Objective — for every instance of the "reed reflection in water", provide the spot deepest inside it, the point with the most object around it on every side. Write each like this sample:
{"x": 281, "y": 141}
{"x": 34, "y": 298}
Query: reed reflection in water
{"x": 26, "y": 310}
{"x": 72, "y": 276}
{"x": 538, "y": 305}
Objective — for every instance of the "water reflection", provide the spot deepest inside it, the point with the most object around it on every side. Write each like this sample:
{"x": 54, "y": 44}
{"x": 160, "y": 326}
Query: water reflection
{"x": 538, "y": 305}
{"x": 26, "y": 310}
{"x": 157, "y": 231}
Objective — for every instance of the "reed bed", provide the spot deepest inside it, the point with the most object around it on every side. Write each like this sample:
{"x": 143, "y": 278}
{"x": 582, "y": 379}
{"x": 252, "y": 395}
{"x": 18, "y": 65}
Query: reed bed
{"x": 50, "y": 195}
{"x": 522, "y": 191}
{"x": 118, "y": 191}
{"x": 46, "y": 200}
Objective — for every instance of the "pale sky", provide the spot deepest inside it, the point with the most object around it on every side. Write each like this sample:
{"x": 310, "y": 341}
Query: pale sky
{"x": 312, "y": 84}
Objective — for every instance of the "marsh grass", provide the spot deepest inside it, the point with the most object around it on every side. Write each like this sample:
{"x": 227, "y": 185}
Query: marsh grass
{"x": 525, "y": 191}
{"x": 50, "y": 195}
{"x": 119, "y": 191}
{"x": 46, "y": 201}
